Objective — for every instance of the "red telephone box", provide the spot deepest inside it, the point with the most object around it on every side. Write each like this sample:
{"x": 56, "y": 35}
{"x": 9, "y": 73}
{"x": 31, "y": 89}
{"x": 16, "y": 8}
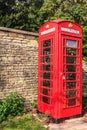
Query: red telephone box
{"x": 60, "y": 69}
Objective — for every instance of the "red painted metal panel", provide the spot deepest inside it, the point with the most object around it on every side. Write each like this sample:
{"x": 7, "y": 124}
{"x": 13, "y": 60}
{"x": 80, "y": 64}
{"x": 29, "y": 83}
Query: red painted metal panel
{"x": 60, "y": 69}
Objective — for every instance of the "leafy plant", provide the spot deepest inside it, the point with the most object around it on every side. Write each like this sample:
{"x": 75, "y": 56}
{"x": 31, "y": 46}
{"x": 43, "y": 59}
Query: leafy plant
{"x": 13, "y": 105}
{"x": 85, "y": 52}
{"x": 85, "y": 43}
{"x": 34, "y": 104}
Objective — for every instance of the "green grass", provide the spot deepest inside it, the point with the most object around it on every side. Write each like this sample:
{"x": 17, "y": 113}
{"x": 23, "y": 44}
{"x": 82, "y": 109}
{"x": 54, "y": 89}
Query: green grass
{"x": 25, "y": 122}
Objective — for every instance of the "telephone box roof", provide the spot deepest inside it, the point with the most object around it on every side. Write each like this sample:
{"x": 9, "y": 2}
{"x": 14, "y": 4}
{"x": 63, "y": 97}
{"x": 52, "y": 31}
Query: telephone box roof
{"x": 60, "y": 21}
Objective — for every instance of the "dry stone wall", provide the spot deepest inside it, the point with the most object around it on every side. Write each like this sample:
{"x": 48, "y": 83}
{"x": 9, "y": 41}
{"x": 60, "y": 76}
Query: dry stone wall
{"x": 18, "y": 63}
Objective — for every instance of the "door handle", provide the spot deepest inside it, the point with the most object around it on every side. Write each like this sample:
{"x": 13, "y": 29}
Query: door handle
{"x": 61, "y": 74}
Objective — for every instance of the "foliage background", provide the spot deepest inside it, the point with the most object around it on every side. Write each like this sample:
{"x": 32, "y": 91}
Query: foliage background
{"x": 29, "y": 15}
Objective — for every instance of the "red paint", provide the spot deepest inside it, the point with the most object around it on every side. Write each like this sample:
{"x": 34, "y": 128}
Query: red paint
{"x": 60, "y": 69}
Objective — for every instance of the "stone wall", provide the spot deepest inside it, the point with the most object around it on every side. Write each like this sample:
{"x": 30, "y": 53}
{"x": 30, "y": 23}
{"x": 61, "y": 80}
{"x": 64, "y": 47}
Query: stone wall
{"x": 84, "y": 78}
{"x": 18, "y": 63}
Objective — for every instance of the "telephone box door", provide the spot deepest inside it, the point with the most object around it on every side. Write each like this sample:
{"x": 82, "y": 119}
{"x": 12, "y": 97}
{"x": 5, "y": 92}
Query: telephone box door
{"x": 71, "y": 76}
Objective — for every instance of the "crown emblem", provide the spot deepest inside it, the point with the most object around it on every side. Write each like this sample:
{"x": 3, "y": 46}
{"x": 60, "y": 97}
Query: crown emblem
{"x": 47, "y": 26}
{"x": 70, "y": 25}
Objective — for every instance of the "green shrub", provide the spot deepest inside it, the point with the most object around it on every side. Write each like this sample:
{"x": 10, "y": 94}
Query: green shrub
{"x": 85, "y": 43}
{"x": 84, "y": 101}
{"x": 34, "y": 104}
{"x": 13, "y": 105}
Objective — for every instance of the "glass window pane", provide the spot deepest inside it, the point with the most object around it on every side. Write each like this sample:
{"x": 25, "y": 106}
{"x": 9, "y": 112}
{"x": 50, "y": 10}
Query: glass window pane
{"x": 46, "y": 83}
{"x": 46, "y": 75}
{"x": 46, "y": 99}
{"x": 46, "y": 59}
{"x": 71, "y": 76}
{"x": 70, "y": 51}
{"x": 71, "y": 60}
{"x": 70, "y": 85}
{"x": 47, "y": 51}
{"x": 70, "y": 93}
{"x": 70, "y": 68}
{"x": 46, "y": 43}
{"x": 46, "y": 91}
{"x": 71, "y": 43}
{"x": 47, "y": 67}
{"x": 71, "y": 102}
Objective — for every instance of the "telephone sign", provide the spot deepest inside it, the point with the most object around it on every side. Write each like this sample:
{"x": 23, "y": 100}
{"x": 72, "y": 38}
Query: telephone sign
{"x": 60, "y": 69}
{"x": 70, "y": 43}
{"x": 69, "y": 30}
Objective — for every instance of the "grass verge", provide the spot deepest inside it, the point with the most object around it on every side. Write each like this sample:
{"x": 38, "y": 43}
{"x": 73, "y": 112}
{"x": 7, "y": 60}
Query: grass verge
{"x": 25, "y": 122}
